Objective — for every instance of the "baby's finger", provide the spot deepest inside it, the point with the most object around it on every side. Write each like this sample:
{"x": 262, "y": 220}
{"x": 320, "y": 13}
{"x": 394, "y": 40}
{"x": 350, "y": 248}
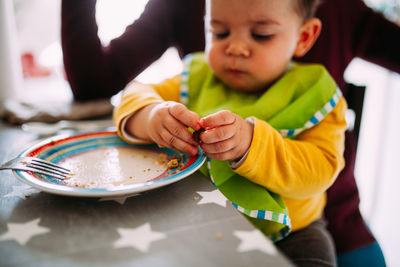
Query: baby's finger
{"x": 176, "y": 128}
{"x": 174, "y": 142}
{"x": 218, "y": 134}
{"x": 222, "y": 117}
{"x": 185, "y": 116}
{"x": 219, "y": 147}
{"x": 227, "y": 155}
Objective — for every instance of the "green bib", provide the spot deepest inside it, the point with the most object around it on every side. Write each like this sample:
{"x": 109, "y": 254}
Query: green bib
{"x": 296, "y": 102}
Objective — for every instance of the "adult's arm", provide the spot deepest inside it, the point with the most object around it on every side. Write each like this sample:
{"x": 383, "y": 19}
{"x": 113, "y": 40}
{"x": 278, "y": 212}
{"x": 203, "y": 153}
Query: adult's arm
{"x": 376, "y": 39}
{"x": 95, "y": 71}
{"x": 351, "y": 29}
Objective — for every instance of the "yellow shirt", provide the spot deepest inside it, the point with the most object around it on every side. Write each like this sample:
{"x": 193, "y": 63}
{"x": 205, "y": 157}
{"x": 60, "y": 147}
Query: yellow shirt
{"x": 303, "y": 169}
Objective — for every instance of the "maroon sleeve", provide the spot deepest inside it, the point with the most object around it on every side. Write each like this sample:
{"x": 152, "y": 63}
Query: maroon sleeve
{"x": 351, "y": 29}
{"x": 95, "y": 71}
{"x": 376, "y": 39}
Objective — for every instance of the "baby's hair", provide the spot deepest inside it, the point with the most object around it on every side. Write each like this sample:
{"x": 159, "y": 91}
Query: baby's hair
{"x": 307, "y": 8}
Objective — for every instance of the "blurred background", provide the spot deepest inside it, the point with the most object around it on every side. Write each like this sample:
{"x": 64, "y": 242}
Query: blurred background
{"x": 37, "y": 24}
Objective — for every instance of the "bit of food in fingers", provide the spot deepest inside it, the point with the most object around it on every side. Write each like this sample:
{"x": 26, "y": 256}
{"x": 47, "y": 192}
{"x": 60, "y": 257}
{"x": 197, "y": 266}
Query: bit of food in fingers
{"x": 196, "y": 135}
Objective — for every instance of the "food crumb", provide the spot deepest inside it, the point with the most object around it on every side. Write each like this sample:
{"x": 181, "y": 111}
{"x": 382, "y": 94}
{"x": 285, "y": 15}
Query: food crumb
{"x": 196, "y": 198}
{"x": 218, "y": 236}
{"x": 173, "y": 163}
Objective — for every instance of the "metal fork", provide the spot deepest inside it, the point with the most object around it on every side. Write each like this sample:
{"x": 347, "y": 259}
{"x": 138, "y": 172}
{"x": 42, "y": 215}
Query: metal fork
{"x": 37, "y": 165}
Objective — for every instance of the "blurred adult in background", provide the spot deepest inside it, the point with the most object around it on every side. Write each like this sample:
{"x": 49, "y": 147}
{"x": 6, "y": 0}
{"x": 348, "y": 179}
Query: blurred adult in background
{"x": 95, "y": 71}
{"x": 350, "y": 30}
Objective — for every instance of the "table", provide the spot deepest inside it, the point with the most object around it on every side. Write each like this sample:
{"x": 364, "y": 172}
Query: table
{"x": 182, "y": 224}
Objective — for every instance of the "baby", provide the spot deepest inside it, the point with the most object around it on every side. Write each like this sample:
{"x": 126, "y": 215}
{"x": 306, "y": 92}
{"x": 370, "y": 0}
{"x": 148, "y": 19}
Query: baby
{"x": 273, "y": 128}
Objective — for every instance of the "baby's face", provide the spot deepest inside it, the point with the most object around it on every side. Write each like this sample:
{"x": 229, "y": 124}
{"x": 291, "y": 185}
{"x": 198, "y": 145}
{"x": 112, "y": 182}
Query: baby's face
{"x": 252, "y": 41}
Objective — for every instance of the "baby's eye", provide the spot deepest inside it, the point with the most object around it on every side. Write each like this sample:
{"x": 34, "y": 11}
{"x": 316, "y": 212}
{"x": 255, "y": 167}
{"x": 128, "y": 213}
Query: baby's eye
{"x": 220, "y": 35}
{"x": 261, "y": 37}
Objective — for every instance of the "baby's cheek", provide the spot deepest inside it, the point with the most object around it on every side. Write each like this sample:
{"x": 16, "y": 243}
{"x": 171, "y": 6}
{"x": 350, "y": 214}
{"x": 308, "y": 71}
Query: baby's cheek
{"x": 214, "y": 60}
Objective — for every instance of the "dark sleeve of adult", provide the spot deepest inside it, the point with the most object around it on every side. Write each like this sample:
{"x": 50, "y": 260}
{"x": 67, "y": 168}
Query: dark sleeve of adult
{"x": 376, "y": 39}
{"x": 351, "y": 29}
{"x": 95, "y": 71}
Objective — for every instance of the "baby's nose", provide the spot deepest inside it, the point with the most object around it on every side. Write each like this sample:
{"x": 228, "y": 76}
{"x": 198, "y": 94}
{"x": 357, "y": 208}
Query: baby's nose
{"x": 237, "y": 49}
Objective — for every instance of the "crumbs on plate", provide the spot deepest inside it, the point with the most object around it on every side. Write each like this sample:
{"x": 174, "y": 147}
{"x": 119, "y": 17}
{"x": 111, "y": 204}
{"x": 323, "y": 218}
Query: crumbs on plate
{"x": 110, "y": 167}
{"x": 172, "y": 163}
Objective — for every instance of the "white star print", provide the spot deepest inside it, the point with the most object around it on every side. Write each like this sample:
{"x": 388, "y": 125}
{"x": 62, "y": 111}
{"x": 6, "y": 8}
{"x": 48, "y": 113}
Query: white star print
{"x": 23, "y": 232}
{"x": 22, "y": 191}
{"x": 212, "y": 197}
{"x": 139, "y": 238}
{"x": 254, "y": 240}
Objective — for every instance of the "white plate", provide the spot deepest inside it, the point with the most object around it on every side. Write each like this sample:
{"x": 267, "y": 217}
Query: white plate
{"x": 115, "y": 167}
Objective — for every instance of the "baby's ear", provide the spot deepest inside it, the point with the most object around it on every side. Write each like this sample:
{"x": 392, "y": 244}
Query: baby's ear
{"x": 309, "y": 33}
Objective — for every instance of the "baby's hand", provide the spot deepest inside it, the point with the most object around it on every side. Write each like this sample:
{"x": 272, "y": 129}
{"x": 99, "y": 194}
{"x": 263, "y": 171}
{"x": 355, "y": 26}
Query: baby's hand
{"x": 227, "y": 136}
{"x": 168, "y": 124}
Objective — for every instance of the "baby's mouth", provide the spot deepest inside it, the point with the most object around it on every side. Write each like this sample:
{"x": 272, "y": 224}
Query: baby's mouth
{"x": 236, "y": 71}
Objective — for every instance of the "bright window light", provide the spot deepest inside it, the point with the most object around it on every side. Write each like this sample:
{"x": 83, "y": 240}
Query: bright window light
{"x": 113, "y": 16}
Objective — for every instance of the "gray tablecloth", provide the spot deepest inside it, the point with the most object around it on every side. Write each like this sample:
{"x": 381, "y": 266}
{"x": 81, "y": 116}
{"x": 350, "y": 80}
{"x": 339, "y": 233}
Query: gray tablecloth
{"x": 182, "y": 224}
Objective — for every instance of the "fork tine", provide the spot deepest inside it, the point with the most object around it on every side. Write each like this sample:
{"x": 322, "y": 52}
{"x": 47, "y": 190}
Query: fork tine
{"x": 48, "y": 169}
{"x": 45, "y": 172}
{"x": 37, "y": 165}
{"x": 46, "y": 165}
